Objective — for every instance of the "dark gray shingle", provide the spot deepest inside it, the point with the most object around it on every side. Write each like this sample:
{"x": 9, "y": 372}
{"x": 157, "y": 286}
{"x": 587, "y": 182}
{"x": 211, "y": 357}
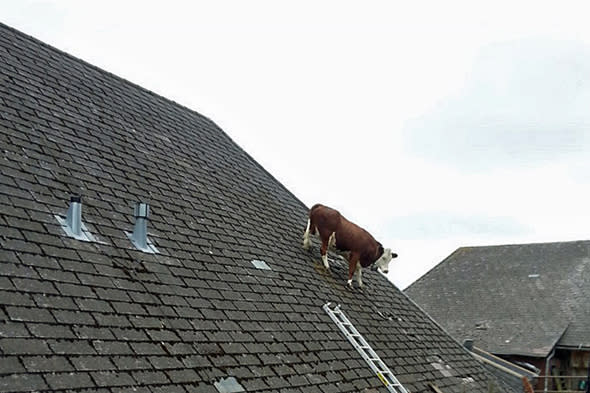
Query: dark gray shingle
{"x": 111, "y": 316}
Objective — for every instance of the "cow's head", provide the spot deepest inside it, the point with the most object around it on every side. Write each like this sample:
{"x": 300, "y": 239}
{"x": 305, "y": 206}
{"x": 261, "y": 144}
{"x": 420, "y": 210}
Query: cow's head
{"x": 383, "y": 262}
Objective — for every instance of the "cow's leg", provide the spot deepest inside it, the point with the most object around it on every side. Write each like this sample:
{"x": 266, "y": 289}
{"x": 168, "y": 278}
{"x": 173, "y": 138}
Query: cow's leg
{"x": 359, "y": 274}
{"x": 306, "y": 241}
{"x": 353, "y": 261}
{"x": 332, "y": 241}
{"x": 324, "y": 252}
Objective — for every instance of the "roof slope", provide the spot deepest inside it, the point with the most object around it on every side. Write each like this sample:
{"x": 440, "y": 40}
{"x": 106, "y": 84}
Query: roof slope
{"x": 105, "y": 317}
{"x": 513, "y": 299}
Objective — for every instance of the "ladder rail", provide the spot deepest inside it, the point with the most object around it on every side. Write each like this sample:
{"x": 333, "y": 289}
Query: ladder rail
{"x": 362, "y": 346}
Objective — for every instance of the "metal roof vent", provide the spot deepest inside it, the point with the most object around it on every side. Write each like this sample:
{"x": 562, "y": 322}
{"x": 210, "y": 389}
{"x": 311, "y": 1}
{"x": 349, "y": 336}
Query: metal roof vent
{"x": 72, "y": 224}
{"x": 260, "y": 265}
{"x": 468, "y": 344}
{"x": 229, "y": 385}
{"x": 139, "y": 236}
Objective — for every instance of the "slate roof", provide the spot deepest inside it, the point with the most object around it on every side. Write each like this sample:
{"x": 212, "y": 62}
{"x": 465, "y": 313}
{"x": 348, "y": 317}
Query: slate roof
{"x": 104, "y": 317}
{"x": 521, "y": 299}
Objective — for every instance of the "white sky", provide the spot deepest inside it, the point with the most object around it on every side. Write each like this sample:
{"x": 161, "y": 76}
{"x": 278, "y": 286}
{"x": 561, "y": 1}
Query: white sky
{"x": 434, "y": 125}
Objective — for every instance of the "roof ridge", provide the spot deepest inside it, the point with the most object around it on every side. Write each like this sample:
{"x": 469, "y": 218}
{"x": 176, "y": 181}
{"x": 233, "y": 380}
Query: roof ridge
{"x": 104, "y": 71}
{"x": 528, "y": 243}
{"x": 152, "y": 93}
{"x": 434, "y": 268}
{"x": 490, "y": 246}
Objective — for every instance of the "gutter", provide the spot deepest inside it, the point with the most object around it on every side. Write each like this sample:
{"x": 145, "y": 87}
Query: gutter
{"x": 547, "y": 368}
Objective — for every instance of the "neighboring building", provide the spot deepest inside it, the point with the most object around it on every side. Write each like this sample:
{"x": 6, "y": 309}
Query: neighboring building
{"x": 527, "y": 303}
{"x": 222, "y": 299}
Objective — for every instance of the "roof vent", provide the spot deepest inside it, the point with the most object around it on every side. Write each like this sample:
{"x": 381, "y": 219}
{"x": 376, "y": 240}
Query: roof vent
{"x": 260, "y": 265}
{"x": 139, "y": 236}
{"x": 229, "y": 385}
{"x": 72, "y": 224}
{"x": 468, "y": 344}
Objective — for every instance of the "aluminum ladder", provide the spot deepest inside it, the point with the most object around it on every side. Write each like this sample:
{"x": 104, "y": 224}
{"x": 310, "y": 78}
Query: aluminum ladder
{"x": 361, "y": 345}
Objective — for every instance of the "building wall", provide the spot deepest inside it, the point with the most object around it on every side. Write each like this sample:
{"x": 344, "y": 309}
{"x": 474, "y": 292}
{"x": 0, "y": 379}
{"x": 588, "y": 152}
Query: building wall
{"x": 574, "y": 363}
{"x": 571, "y": 365}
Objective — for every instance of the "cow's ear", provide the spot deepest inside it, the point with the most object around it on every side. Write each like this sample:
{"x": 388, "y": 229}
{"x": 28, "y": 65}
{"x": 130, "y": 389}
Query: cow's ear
{"x": 393, "y": 255}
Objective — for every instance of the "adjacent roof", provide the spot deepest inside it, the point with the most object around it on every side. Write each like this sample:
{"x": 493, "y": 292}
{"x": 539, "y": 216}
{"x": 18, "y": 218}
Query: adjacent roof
{"x": 104, "y": 317}
{"x": 518, "y": 299}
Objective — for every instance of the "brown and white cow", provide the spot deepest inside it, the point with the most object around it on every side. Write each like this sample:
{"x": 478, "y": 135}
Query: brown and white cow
{"x": 348, "y": 239}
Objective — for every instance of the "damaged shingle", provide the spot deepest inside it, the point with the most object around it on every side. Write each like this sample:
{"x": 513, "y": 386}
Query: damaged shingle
{"x": 229, "y": 385}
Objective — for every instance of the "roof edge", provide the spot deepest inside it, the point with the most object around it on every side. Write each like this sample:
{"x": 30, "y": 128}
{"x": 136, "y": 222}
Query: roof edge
{"x": 109, "y": 73}
{"x": 498, "y": 363}
{"x": 580, "y": 347}
{"x": 488, "y": 246}
{"x": 433, "y": 268}
{"x": 158, "y": 96}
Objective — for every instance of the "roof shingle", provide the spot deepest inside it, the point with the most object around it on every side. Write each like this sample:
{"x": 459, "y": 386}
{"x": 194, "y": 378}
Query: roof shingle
{"x": 94, "y": 315}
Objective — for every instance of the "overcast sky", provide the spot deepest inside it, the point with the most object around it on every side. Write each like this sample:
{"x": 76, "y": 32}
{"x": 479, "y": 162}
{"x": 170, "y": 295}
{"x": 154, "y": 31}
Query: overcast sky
{"x": 434, "y": 125}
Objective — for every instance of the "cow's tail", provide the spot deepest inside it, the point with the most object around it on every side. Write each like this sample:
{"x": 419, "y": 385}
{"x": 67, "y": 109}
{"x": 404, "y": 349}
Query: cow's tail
{"x": 311, "y": 228}
{"x": 306, "y": 241}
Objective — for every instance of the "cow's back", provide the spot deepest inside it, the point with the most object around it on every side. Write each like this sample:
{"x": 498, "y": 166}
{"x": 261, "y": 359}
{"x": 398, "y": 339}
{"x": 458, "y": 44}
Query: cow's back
{"x": 325, "y": 219}
{"x": 352, "y": 237}
{"x": 349, "y": 236}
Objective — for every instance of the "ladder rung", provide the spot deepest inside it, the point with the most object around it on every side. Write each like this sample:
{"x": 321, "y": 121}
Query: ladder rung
{"x": 385, "y": 372}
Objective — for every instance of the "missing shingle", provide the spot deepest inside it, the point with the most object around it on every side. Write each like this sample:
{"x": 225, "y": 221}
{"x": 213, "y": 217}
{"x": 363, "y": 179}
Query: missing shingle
{"x": 444, "y": 369}
{"x": 229, "y": 385}
{"x": 482, "y": 325}
{"x": 386, "y": 315}
{"x": 258, "y": 264}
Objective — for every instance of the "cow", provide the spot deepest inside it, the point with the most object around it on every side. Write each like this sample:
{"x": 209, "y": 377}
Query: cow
{"x": 348, "y": 239}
